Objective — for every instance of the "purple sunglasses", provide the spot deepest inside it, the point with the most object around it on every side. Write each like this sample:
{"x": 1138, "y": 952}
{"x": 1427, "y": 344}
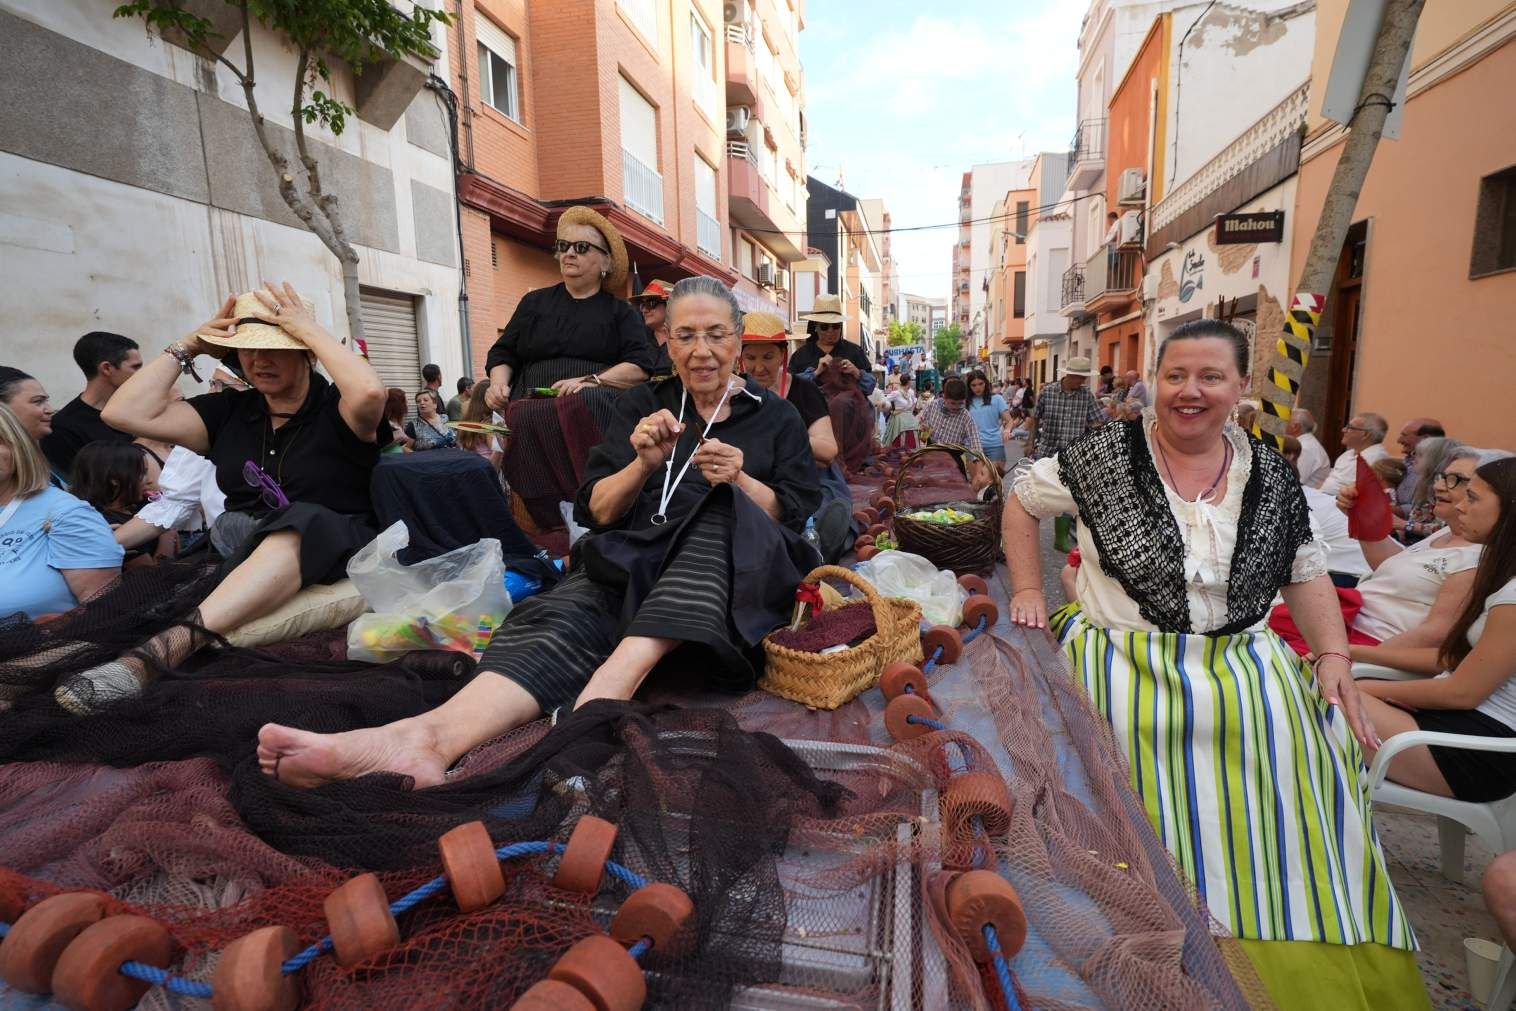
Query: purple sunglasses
{"x": 256, "y": 477}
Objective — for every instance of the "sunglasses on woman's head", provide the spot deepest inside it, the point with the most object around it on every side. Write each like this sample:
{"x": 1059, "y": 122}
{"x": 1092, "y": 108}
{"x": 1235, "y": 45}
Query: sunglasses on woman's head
{"x": 581, "y": 247}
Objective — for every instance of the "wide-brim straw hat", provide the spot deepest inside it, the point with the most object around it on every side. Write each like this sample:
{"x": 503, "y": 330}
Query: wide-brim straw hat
{"x": 828, "y": 309}
{"x": 253, "y": 333}
{"x": 763, "y": 328}
{"x": 1078, "y": 367}
{"x": 615, "y": 281}
{"x": 655, "y": 289}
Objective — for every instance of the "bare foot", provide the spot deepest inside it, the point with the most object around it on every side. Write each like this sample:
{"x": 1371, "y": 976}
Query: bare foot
{"x": 304, "y": 759}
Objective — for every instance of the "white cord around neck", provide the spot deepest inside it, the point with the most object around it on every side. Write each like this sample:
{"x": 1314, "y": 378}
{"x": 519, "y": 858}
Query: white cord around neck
{"x": 661, "y": 516}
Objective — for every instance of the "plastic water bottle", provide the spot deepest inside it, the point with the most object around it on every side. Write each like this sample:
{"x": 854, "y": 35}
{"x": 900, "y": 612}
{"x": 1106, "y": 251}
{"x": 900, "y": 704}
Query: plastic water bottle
{"x": 811, "y": 536}
{"x": 520, "y": 586}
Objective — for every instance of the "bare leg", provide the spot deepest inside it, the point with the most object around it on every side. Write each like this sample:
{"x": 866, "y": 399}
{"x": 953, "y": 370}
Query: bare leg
{"x": 625, "y": 669}
{"x": 1066, "y": 578}
{"x": 422, "y": 747}
{"x": 1413, "y": 767}
{"x": 1500, "y": 894}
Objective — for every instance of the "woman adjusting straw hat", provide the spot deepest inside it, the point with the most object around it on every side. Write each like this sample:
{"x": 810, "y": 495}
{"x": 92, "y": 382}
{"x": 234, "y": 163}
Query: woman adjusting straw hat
{"x": 1244, "y": 757}
{"x": 844, "y": 373}
{"x": 575, "y": 337}
{"x": 293, "y": 455}
{"x": 695, "y": 500}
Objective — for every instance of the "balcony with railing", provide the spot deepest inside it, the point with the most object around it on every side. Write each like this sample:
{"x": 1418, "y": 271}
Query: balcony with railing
{"x": 1087, "y": 154}
{"x": 641, "y": 186}
{"x": 1111, "y": 277}
{"x": 741, "y": 66}
{"x": 1072, "y": 299}
{"x": 753, "y": 203}
{"x": 707, "y": 233}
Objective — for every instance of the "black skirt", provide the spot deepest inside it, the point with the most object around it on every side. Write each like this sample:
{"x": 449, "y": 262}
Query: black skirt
{"x": 327, "y": 539}
{"x": 1475, "y": 776}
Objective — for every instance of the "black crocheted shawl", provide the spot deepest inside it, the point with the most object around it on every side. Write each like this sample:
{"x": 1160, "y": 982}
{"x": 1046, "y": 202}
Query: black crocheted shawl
{"x": 1121, "y": 499}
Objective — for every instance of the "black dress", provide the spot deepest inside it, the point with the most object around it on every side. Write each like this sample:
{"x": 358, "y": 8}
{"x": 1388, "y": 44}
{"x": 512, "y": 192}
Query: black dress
{"x": 552, "y": 335}
{"x": 321, "y": 465}
{"x": 718, "y": 576}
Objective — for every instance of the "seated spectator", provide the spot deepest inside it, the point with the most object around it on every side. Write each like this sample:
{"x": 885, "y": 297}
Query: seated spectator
{"x": 1476, "y": 694}
{"x": 1390, "y": 472}
{"x": 1411, "y": 595}
{"x": 429, "y": 430}
{"x": 57, "y": 550}
{"x": 293, "y": 455}
{"x": 653, "y": 304}
{"x": 395, "y": 409}
{"x": 1363, "y": 436}
{"x": 1345, "y": 562}
{"x": 1136, "y": 390}
{"x": 575, "y": 337}
{"x": 488, "y": 446}
{"x": 696, "y": 499}
{"x": 107, "y": 360}
{"x": 459, "y": 402}
{"x": 1247, "y": 413}
{"x": 28, "y": 401}
{"x": 1315, "y": 464}
{"x": 843, "y": 371}
{"x": 188, "y": 501}
{"x": 1430, "y": 456}
{"x": 765, "y": 355}
{"x": 113, "y": 477}
{"x": 1411, "y": 436}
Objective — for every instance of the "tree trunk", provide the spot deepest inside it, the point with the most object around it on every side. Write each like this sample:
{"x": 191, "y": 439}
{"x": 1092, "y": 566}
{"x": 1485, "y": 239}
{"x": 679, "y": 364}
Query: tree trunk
{"x": 352, "y": 298}
{"x": 1391, "y": 50}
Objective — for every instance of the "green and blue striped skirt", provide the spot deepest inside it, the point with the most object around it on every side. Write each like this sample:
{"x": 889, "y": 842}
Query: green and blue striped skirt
{"x": 1258, "y": 789}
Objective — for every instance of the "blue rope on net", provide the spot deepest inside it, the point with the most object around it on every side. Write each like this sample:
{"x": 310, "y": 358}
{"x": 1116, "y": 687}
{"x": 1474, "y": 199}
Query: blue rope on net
{"x": 977, "y": 630}
{"x": 640, "y": 948}
{"x": 162, "y": 977}
{"x": 1002, "y": 967}
{"x": 931, "y": 661}
{"x": 926, "y": 721}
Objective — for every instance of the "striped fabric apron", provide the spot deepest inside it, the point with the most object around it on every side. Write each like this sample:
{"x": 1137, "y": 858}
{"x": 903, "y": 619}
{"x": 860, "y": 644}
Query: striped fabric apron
{"x": 1254, "y": 784}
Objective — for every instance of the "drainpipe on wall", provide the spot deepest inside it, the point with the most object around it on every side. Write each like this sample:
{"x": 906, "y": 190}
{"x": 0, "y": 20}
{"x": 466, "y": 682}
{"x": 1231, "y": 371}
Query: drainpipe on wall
{"x": 450, "y": 104}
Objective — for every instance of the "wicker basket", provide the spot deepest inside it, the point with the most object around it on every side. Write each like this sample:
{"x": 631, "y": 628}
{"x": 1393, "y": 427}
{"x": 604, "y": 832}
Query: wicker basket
{"x": 827, "y": 680}
{"x": 961, "y": 547}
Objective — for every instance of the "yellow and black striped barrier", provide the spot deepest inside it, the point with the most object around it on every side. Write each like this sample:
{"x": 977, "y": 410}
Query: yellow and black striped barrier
{"x": 1290, "y": 357}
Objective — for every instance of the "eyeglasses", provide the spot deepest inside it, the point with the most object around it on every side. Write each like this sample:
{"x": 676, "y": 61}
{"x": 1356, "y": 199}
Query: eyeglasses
{"x": 1353, "y": 428}
{"x": 256, "y": 477}
{"x": 1451, "y": 480}
{"x": 581, "y": 247}
{"x": 713, "y": 338}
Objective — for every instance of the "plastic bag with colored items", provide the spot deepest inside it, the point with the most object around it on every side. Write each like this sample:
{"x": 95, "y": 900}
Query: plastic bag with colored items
{"x": 911, "y": 577}
{"x": 454, "y": 601}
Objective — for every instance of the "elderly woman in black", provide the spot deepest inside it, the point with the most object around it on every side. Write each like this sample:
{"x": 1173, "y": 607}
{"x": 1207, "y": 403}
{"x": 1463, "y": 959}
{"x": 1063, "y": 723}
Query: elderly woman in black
{"x": 842, "y": 370}
{"x": 293, "y": 455}
{"x": 575, "y": 337}
{"x": 695, "y": 499}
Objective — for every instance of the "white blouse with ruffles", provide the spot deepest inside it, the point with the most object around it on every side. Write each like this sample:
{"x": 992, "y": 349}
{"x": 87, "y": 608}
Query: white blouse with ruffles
{"x": 1209, "y": 529}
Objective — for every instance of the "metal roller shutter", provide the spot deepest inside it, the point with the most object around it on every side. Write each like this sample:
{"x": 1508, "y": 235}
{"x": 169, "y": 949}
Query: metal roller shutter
{"x": 389, "y": 328}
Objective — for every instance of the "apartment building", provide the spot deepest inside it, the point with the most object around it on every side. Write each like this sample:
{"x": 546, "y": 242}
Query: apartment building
{"x": 1047, "y": 229}
{"x": 1429, "y": 267}
{"x": 840, "y": 230}
{"x": 1005, "y": 344}
{"x": 617, "y": 104}
{"x": 916, "y": 309}
{"x": 134, "y": 193}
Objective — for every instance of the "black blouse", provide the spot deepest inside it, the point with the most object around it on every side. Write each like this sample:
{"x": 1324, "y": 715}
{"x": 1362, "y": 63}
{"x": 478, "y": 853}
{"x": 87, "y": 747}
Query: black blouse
{"x": 314, "y": 456}
{"x": 550, "y": 323}
{"x": 808, "y": 400}
{"x": 810, "y": 354}
{"x": 768, "y": 430}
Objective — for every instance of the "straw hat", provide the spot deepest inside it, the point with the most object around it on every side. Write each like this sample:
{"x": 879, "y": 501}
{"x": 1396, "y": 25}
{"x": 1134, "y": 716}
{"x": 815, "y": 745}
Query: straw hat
{"x": 655, "y": 289}
{"x": 763, "y": 328}
{"x": 253, "y": 332}
{"x": 1078, "y": 367}
{"x": 581, "y": 215}
{"x": 828, "y": 309}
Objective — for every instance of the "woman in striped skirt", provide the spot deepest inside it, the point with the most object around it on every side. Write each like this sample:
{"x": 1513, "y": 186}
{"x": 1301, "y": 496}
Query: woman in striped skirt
{"x": 695, "y": 499}
{"x": 1248, "y": 762}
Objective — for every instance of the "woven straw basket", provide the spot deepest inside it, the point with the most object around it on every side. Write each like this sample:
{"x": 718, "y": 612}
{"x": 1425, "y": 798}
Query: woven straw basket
{"x": 827, "y": 680}
{"x": 961, "y": 547}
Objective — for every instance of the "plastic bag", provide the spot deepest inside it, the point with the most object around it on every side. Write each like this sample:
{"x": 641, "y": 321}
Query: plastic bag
{"x": 454, "y": 601}
{"x": 911, "y": 577}
{"x": 566, "y": 510}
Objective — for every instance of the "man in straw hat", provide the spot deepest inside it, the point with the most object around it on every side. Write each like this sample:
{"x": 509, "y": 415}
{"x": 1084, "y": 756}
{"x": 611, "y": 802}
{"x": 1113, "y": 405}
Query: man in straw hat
{"x": 578, "y": 333}
{"x": 293, "y": 455}
{"x": 1065, "y": 410}
{"x": 653, "y": 302}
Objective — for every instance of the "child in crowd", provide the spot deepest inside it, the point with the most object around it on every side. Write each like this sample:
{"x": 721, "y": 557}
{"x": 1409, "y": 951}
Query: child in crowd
{"x": 117, "y": 478}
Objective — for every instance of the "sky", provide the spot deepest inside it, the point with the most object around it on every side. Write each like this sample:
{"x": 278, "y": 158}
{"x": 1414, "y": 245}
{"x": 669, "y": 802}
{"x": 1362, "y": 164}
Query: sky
{"x": 902, "y": 98}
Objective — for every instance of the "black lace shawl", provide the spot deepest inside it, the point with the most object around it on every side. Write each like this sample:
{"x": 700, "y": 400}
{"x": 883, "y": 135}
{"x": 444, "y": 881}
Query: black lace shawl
{"x": 1121, "y": 498}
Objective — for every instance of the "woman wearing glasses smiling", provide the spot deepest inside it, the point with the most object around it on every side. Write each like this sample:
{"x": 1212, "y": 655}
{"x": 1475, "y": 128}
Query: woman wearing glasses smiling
{"x": 293, "y": 455}
{"x": 695, "y": 500}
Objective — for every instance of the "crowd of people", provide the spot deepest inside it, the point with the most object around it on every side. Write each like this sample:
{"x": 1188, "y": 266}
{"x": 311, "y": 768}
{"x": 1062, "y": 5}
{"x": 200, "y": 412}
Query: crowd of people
{"x": 1220, "y": 594}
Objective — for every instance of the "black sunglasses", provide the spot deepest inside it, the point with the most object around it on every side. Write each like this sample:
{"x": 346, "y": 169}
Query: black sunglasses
{"x": 581, "y": 247}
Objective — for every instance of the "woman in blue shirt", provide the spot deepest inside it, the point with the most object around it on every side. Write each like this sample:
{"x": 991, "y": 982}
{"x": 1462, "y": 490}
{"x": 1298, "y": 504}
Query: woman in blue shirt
{"x": 54, "y": 549}
{"x": 990, "y": 415}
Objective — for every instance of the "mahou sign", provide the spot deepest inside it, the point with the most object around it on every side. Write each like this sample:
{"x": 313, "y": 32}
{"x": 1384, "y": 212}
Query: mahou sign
{"x": 1265, "y": 226}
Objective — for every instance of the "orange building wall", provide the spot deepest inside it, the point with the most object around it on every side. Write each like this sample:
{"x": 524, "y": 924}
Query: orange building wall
{"x": 1432, "y": 341}
{"x": 1127, "y": 127}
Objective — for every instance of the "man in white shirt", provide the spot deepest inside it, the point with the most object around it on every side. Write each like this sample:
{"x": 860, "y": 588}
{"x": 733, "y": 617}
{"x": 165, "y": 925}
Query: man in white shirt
{"x": 1315, "y": 464}
{"x": 1364, "y": 437}
{"x": 1330, "y": 526}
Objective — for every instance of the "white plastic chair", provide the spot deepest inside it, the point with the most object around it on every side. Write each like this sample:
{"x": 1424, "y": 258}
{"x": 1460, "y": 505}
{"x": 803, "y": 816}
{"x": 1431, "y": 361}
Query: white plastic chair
{"x": 1493, "y": 822}
{"x": 1362, "y": 669}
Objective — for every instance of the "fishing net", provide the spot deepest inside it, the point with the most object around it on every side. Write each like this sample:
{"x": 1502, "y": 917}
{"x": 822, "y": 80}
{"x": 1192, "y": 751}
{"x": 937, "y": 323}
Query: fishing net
{"x": 852, "y": 419}
{"x": 550, "y": 441}
{"x": 816, "y": 865}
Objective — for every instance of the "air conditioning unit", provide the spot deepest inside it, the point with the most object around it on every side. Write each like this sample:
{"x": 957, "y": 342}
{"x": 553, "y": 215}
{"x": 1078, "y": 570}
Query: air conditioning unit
{"x": 1131, "y": 186}
{"x": 1129, "y": 228}
{"x": 737, "y": 119}
{"x": 779, "y": 282}
{"x": 1150, "y": 287}
{"x": 765, "y": 274}
{"x": 732, "y": 12}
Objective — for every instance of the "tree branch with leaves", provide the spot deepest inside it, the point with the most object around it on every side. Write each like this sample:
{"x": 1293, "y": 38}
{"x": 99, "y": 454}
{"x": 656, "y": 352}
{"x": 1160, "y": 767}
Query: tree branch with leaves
{"x": 356, "y": 33}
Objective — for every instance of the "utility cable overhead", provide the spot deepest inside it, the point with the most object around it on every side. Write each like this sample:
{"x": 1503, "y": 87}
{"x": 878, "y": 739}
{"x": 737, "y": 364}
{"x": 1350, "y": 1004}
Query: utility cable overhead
{"x": 957, "y": 223}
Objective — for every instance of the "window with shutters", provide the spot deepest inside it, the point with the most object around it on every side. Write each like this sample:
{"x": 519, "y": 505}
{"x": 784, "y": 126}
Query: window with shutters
{"x": 703, "y": 55}
{"x": 642, "y": 185}
{"x": 1495, "y": 225}
{"x": 498, "y": 80}
{"x": 1023, "y": 218}
{"x": 707, "y": 222}
{"x": 1018, "y": 300}
{"x": 643, "y": 14}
